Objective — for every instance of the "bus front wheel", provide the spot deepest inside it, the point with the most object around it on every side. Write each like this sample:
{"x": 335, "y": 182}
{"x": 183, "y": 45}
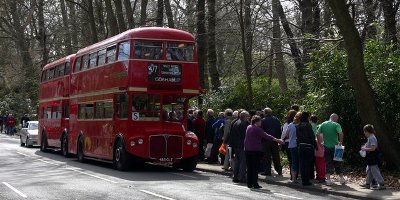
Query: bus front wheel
{"x": 189, "y": 164}
{"x": 121, "y": 157}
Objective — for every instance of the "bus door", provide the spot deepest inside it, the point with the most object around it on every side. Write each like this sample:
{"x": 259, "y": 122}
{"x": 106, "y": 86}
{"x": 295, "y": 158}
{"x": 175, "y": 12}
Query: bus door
{"x": 120, "y": 119}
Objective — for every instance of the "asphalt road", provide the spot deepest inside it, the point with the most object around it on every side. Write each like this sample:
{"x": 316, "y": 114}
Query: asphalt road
{"x": 28, "y": 173}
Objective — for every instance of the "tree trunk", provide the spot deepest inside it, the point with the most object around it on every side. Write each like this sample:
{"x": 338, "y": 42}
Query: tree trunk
{"x": 169, "y": 14}
{"x": 160, "y": 13}
{"x": 202, "y": 43}
{"x": 369, "y": 31}
{"x": 247, "y": 45}
{"x": 67, "y": 41}
{"x": 120, "y": 15}
{"x": 92, "y": 22}
{"x": 101, "y": 28}
{"x": 41, "y": 35}
{"x": 363, "y": 92}
{"x": 129, "y": 13}
{"x": 389, "y": 13}
{"x": 111, "y": 20}
{"x": 292, "y": 43}
{"x": 74, "y": 26}
{"x": 212, "y": 51}
{"x": 277, "y": 46}
{"x": 143, "y": 14}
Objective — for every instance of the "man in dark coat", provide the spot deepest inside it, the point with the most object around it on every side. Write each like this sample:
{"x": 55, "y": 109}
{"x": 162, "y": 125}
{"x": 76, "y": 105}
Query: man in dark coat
{"x": 272, "y": 126}
{"x": 236, "y": 141}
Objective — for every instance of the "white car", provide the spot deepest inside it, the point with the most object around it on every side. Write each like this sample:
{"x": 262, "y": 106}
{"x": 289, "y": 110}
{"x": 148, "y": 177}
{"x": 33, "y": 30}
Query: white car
{"x": 29, "y": 134}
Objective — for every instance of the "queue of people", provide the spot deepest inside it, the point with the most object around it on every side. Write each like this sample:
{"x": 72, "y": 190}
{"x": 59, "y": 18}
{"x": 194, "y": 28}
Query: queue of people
{"x": 8, "y": 123}
{"x": 248, "y": 143}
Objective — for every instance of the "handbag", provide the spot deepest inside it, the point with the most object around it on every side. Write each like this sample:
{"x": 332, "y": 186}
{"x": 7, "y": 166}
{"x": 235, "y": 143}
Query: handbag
{"x": 222, "y": 149}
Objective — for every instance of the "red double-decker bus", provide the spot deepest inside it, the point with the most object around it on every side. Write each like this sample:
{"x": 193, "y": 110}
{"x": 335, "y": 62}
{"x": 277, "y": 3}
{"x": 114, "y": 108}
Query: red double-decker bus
{"x": 129, "y": 97}
{"x": 54, "y": 102}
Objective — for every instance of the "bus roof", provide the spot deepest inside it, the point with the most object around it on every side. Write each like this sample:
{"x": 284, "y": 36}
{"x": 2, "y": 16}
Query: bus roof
{"x": 151, "y": 33}
{"x": 59, "y": 61}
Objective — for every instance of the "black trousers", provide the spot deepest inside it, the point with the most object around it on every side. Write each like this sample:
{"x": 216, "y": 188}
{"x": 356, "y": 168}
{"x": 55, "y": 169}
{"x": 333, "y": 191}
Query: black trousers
{"x": 306, "y": 156}
{"x": 215, "y": 150}
{"x": 253, "y": 163}
{"x": 271, "y": 150}
{"x": 201, "y": 148}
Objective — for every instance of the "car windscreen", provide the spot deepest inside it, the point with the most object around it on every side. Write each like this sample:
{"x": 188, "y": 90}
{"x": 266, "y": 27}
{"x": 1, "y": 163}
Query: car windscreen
{"x": 33, "y": 126}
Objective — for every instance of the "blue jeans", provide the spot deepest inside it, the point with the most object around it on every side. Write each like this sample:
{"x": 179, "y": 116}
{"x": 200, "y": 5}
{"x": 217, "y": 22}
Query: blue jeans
{"x": 10, "y": 130}
{"x": 295, "y": 159}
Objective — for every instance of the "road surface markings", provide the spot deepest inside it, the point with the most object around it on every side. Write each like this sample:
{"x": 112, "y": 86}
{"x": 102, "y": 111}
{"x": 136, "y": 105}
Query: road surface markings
{"x": 157, "y": 195}
{"x": 184, "y": 175}
{"x": 276, "y": 194}
{"x": 15, "y": 190}
{"x": 104, "y": 179}
{"x": 283, "y": 195}
{"x": 75, "y": 170}
{"x": 24, "y": 154}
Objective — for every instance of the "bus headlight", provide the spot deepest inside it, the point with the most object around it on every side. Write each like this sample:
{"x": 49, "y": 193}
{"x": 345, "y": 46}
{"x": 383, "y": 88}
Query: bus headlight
{"x": 189, "y": 142}
{"x": 132, "y": 143}
{"x": 140, "y": 141}
{"x": 194, "y": 145}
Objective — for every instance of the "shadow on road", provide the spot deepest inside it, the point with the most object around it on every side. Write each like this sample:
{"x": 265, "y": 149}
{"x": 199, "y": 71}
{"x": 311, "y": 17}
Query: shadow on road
{"x": 146, "y": 172}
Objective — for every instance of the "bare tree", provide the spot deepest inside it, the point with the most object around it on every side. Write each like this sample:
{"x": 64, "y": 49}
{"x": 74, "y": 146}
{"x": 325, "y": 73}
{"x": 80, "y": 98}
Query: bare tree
{"x": 277, "y": 46}
{"x": 41, "y": 34}
{"x": 129, "y": 12}
{"x": 390, "y": 8}
{"x": 143, "y": 14}
{"x": 169, "y": 14}
{"x": 202, "y": 42}
{"x": 364, "y": 95}
{"x": 160, "y": 13}
{"x": 111, "y": 20}
{"x": 92, "y": 22}
{"x": 66, "y": 29}
{"x": 369, "y": 31}
{"x": 212, "y": 51}
{"x": 292, "y": 43}
{"x": 246, "y": 31}
{"x": 101, "y": 27}
{"x": 120, "y": 15}
{"x": 74, "y": 25}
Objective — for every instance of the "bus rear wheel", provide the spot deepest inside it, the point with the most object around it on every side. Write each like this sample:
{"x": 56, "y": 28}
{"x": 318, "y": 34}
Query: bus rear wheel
{"x": 43, "y": 143}
{"x": 121, "y": 159}
{"x": 80, "y": 155}
{"x": 64, "y": 146}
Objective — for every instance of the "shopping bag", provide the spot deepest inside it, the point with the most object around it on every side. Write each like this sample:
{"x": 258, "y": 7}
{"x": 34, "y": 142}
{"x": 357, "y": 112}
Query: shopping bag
{"x": 339, "y": 150}
{"x": 207, "y": 152}
{"x": 222, "y": 149}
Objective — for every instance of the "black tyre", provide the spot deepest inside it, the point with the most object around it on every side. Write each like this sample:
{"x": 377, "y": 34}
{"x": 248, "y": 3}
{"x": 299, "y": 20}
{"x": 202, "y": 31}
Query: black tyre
{"x": 27, "y": 143}
{"x": 80, "y": 155}
{"x": 121, "y": 159}
{"x": 64, "y": 146}
{"x": 43, "y": 143}
{"x": 20, "y": 140}
{"x": 189, "y": 164}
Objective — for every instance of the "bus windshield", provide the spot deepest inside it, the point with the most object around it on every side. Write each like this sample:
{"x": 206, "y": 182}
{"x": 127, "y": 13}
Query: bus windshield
{"x": 173, "y": 108}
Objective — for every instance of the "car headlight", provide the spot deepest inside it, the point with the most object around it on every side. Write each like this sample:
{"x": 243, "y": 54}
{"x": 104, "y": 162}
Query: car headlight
{"x": 195, "y": 145}
{"x": 132, "y": 143}
{"x": 189, "y": 142}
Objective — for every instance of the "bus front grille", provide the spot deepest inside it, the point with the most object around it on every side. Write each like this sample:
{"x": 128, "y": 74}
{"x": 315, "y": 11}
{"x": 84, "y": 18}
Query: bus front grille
{"x": 166, "y": 146}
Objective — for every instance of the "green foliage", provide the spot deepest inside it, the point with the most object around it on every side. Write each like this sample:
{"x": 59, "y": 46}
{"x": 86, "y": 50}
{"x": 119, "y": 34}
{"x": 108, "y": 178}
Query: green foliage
{"x": 233, "y": 95}
{"x": 330, "y": 90}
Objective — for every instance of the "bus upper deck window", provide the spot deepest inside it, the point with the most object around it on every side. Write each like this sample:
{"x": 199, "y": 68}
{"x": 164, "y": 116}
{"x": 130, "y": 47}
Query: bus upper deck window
{"x": 67, "y": 68}
{"x": 110, "y": 54}
{"x": 85, "y": 62}
{"x": 101, "y": 60}
{"x": 93, "y": 60}
{"x": 124, "y": 50}
{"x": 180, "y": 51}
{"x": 148, "y": 50}
{"x": 77, "y": 66}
